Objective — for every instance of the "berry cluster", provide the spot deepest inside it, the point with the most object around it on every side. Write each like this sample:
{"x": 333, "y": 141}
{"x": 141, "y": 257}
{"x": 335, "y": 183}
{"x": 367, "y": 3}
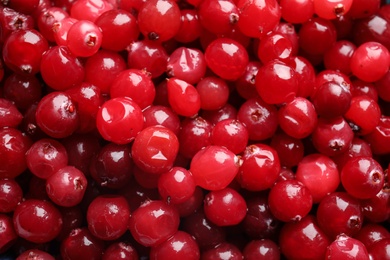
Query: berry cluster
{"x": 194, "y": 129}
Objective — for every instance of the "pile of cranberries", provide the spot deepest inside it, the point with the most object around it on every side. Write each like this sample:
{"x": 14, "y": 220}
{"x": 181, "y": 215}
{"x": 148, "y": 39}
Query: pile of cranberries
{"x": 195, "y": 129}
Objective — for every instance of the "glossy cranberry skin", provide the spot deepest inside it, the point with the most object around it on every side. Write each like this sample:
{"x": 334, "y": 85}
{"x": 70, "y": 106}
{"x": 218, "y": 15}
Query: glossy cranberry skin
{"x": 225, "y": 207}
{"x": 155, "y": 149}
{"x": 119, "y": 29}
{"x": 290, "y": 200}
{"x": 22, "y": 51}
{"x": 372, "y": 233}
{"x": 59, "y": 63}
{"x": 318, "y": 168}
{"x": 10, "y": 116}
{"x": 57, "y": 115}
{"x": 190, "y": 27}
{"x": 268, "y": 14}
{"x": 161, "y": 115}
{"x": 47, "y": 19}
{"x": 89, "y": 9}
{"x": 222, "y": 249}
{"x": 119, "y": 120}
{"x": 276, "y": 83}
{"x": 108, "y": 217}
{"x": 214, "y": 167}
{"x": 11, "y": 195}
{"x": 290, "y": 150}
{"x": 214, "y": 93}
{"x": 338, "y": 57}
{"x": 187, "y": 248}
{"x": 183, "y": 97}
{"x": 260, "y": 118}
{"x": 45, "y": 157}
{"x": 226, "y": 58}
{"x": 345, "y": 247}
{"x": 150, "y": 228}
{"x": 298, "y": 118}
{"x": 12, "y": 20}
{"x": 120, "y": 250}
{"x": 35, "y": 254}
{"x": 305, "y": 74}
{"x": 303, "y": 239}
{"x": 231, "y": 133}
{"x": 81, "y": 243}
{"x": 135, "y": 84}
{"x": 37, "y": 221}
{"x": 112, "y": 167}
{"x": 375, "y": 209}
{"x": 379, "y": 139}
{"x": 192, "y": 204}
{"x": 261, "y": 250}
{"x": 332, "y": 136}
{"x": 362, "y": 177}
{"x": 13, "y": 146}
{"x": 259, "y": 168}
{"x": 349, "y": 218}
{"x": 61, "y": 29}
{"x": 7, "y": 233}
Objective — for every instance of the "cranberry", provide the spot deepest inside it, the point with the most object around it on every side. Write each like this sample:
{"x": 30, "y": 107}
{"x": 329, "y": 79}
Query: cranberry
{"x": 11, "y": 195}
{"x": 35, "y": 254}
{"x": 7, "y": 233}
{"x": 81, "y": 243}
{"x": 261, "y": 250}
{"x": 346, "y": 247}
{"x": 120, "y": 250}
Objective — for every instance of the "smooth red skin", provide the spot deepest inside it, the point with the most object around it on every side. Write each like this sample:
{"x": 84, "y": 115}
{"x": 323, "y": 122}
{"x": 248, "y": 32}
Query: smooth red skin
{"x": 23, "y": 91}
{"x": 168, "y": 249}
{"x": 206, "y": 234}
{"x": 61, "y": 29}
{"x": 45, "y": 157}
{"x": 161, "y": 115}
{"x": 317, "y": 168}
{"x": 222, "y": 249}
{"x": 187, "y": 64}
{"x": 59, "y": 63}
{"x": 190, "y": 27}
{"x": 120, "y": 250}
{"x": 330, "y": 10}
{"x": 135, "y": 84}
{"x": 379, "y": 139}
{"x": 102, "y": 68}
{"x": 72, "y": 218}
{"x": 80, "y": 150}
{"x": 380, "y": 250}
{"x": 108, "y": 217}
{"x": 151, "y": 229}
{"x": 37, "y": 221}
{"x": 303, "y": 240}
{"x": 80, "y": 243}
{"x": 159, "y": 17}
{"x": 218, "y": 17}
{"x": 214, "y": 116}
{"x": 371, "y": 57}
{"x": 8, "y": 235}
{"x": 267, "y": 12}
{"x": 177, "y": 185}
{"x": 214, "y": 93}
{"x": 264, "y": 249}
{"x": 57, "y": 115}
{"x": 89, "y": 9}
{"x": 339, "y": 213}
{"x": 376, "y": 209}
{"x": 326, "y": 76}
{"x": 230, "y": 133}
{"x": 26, "y": 43}
{"x": 290, "y": 150}
{"x": 297, "y": 11}
{"x": 119, "y": 120}
{"x": 259, "y": 168}
{"x": 362, "y": 8}
{"x": 112, "y": 167}
{"x": 13, "y": 146}
{"x": 298, "y": 118}
{"x": 365, "y": 88}
{"x": 10, "y": 115}
{"x": 214, "y": 167}
{"x": 338, "y": 57}
{"x": 227, "y": 58}
{"x": 119, "y": 29}
{"x": 183, "y": 97}
{"x": 372, "y": 233}
{"x": 381, "y": 86}
{"x": 46, "y": 20}
{"x": 365, "y": 113}
{"x": 332, "y": 137}
{"x": 155, "y": 149}
{"x": 192, "y": 204}
{"x": 11, "y": 195}
{"x": 66, "y": 187}
{"x": 316, "y": 36}
{"x": 362, "y": 177}
{"x": 290, "y": 200}
{"x": 345, "y": 247}
{"x": 274, "y": 46}
{"x": 35, "y": 254}
{"x": 260, "y": 118}
{"x": 305, "y": 74}
{"x": 225, "y": 207}
{"x": 148, "y": 55}
{"x": 84, "y": 38}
